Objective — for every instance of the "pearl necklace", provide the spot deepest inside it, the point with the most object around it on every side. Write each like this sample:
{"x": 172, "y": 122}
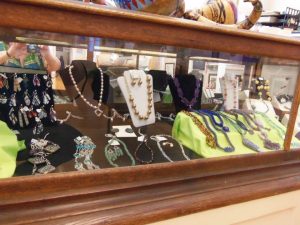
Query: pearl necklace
{"x": 97, "y": 108}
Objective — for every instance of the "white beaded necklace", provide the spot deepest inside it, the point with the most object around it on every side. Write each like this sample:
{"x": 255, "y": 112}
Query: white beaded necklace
{"x": 97, "y": 108}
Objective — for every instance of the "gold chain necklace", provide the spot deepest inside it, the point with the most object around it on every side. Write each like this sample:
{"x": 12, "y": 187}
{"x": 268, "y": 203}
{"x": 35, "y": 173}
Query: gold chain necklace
{"x": 133, "y": 102}
{"x": 210, "y": 140}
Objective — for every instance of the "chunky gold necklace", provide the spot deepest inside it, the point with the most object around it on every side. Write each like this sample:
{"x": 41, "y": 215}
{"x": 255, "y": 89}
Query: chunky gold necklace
{"x": 210, "y": 140}
{"x": 133, "y": 103}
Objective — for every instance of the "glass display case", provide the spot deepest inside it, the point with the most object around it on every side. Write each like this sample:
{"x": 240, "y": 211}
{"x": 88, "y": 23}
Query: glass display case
{"x": 148, "y": 114}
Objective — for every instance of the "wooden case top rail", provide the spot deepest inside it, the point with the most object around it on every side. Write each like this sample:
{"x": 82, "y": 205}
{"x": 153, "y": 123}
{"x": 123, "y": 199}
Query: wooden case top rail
{"x": 92, "y": 20}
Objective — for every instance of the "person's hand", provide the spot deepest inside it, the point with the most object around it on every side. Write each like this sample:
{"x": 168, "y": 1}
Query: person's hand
{"x": 44, "y": 50}
{"x": 17, "y": 50}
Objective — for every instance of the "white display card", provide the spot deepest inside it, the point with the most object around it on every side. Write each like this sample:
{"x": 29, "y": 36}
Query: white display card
{"x": 140, "y": 96}
{"x": 122, "y": 131}
{"x": 260, "y": 106}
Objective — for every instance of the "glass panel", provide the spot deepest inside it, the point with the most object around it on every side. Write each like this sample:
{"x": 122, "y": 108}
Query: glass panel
{"x": 234, "y": 104}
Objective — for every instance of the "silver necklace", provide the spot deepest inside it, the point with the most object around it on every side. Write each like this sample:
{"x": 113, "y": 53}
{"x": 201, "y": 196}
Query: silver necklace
{"x": 158, "y": 140}
{"x": 97, "y": 108}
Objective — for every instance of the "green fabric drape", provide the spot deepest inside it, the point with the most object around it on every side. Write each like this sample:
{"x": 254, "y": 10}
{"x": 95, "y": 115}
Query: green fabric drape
{"x": 187, "y": 133}
{"x": 9, "y": 148}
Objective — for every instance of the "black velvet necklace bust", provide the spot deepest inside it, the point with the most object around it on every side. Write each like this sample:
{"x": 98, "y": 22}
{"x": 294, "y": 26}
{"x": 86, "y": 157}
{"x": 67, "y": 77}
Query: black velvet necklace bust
{"x": 188, "y": 85}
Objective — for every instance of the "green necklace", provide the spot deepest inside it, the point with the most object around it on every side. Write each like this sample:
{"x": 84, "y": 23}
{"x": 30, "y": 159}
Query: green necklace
{"x": 113, "y": 152}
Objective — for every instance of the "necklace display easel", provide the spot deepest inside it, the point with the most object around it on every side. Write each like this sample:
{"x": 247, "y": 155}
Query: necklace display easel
{"x": 139, "y": 97}
{"x": 229, "y": 86}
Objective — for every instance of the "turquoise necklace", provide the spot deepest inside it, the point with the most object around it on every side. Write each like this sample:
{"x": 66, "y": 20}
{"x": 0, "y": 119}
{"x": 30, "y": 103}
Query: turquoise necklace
{"x": 237, "y": 126}
{"x": 113, "y": 152}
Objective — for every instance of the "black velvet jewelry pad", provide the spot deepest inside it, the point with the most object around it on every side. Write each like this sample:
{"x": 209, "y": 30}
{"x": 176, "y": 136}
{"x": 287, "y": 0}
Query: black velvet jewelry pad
{"x": 160, "y": 79}
{"x": 63, "y": 135}
{"x": 188, "y": 85}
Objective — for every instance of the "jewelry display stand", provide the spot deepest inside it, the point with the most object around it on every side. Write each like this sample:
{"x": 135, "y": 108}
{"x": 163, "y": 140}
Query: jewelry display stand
{"x": 230, "y": 87}
{"x": 140, "y": 96}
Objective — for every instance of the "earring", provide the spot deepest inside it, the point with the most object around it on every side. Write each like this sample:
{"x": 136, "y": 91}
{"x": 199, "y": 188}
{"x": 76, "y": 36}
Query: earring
{"x": 26, "y": 98}
{"x": 36, "y": 80}
{"x": 39, "y": 128}
{"x": 46, "y": 98}
{"x": 3, "y": 99}
{"x": 13, "y": 102}
{"x": 35, "y": 99}
{"x": 12, "y": 116}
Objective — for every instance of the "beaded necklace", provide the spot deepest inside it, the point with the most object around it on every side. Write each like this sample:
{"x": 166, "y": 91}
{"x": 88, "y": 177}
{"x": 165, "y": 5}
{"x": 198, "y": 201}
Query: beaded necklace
{"x": 212, "y": 115}
{"x": 132, "y": 101}
{"x": 279, "y": 130}
{"x": 158, "y": 140}
{"x": 97, "y": 108}
{"x": 210, "y": 140}
{"x": 184, "y": 100}
{"x": 226, "y": 149}
{"x": 147, "y": 147}
{"x": 262, "y": 134}
{"x": 242, "y": 132}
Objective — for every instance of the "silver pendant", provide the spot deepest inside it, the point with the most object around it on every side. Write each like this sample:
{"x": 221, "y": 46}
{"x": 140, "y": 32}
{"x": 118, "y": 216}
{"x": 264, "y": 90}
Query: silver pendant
{"x": 42, "y": 113}
{"x": 52, "y": 115}
{"x": 12, "y": 116}
{"x": 35, "y": 99}
{"x": 37, "y": 160}
{"x": 52, "y": 147}
{"x": 13, "y": 102}
{"x": 39, "y": 128}
{"x": 46, "y": 98}
{"x": 26, "y": 98}
{"x": 3, "y": 99}
{"x": 36, "y": 80}
{"x": 46, "y": 169}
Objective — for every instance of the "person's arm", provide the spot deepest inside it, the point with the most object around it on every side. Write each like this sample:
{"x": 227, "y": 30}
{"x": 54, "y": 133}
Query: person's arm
{"x": 15, "y": 50}
{"x": 53, "y": 63}
{"x": 3, "y": 57}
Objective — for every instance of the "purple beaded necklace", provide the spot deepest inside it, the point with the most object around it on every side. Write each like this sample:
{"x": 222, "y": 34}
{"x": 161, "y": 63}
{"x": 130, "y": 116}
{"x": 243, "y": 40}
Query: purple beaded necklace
{"x": 183, "y": 99}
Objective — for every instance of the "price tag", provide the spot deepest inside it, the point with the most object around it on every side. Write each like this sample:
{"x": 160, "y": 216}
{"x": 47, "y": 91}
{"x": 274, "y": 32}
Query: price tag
{"x": 141, "y": 138}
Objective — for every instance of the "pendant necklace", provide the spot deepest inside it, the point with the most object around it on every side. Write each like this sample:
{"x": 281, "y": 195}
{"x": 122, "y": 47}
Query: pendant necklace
{"x": 132, "y": 101}
{"x": 188, "y": 103}
{"x": 113, "y": 152}
{"x": 160, "y": 141}
{"x": 97, "y": 108}
{"x": 144, "y": 143}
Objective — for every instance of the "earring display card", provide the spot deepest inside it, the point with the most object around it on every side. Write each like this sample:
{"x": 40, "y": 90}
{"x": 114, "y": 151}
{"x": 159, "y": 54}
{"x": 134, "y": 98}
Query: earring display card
{"x": 122, "y": 131}
{"x": 140, "y": 94}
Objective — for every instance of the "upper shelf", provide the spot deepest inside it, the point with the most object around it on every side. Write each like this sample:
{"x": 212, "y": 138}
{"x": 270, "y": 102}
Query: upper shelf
{"x": 75, "y": 18}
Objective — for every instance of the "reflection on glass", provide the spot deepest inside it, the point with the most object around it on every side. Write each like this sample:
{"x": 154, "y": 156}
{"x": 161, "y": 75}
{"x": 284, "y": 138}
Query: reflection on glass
{"x": 85, "y": 103}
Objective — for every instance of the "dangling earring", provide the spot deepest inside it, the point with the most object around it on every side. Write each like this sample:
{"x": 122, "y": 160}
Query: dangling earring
{"x": 36, "y": 80}
{"x": 12, "y": 116}
{"x": 46, "y": 98}
{"x": 39, "y": 128}
{"x": 13, "y": 102}
{"x": 53, "y": 115}
{"x": 26, "y": 98}
{"x": 35, "y": 99}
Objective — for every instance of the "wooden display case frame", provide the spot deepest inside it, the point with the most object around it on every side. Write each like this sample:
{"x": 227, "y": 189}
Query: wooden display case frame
{"x": 144, "y": 194}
